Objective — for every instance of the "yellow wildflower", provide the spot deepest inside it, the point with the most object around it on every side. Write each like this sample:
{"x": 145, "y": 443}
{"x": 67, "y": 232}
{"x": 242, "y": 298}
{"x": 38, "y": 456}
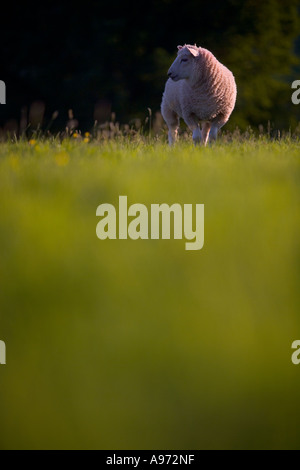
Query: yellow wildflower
{"x": 62, "y": 158}
{"x": 14, "y": 162}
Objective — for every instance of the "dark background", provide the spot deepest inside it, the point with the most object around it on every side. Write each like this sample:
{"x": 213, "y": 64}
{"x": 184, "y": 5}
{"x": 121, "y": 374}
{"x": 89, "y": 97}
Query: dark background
{"x": 96, "y": 57}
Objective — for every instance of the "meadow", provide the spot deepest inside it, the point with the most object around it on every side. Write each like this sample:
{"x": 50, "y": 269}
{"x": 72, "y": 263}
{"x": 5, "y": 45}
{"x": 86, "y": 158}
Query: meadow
{"x": 140, "y": 344}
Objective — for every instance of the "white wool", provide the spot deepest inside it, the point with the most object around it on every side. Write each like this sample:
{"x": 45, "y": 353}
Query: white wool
{"x": 200, "y": 90}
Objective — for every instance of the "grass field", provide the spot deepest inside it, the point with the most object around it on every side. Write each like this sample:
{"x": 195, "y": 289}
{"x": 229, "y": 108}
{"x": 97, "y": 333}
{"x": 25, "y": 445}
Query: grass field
{"x": 123, "y": 344}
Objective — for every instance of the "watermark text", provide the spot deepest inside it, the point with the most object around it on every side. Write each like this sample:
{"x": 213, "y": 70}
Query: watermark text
{"x": 2, "y": 353}
{"x": 296, "y": 94}
{"x": 296, "y": 354}
{"x": 2, "y": 92}
{"x": 137, "y": 222}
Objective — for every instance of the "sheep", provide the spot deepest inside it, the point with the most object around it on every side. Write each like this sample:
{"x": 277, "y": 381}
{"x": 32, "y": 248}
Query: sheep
{"x": 199, "y": 90}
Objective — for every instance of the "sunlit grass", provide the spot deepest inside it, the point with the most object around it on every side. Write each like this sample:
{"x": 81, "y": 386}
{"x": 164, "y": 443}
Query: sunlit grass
{"x": 123, "y": 344}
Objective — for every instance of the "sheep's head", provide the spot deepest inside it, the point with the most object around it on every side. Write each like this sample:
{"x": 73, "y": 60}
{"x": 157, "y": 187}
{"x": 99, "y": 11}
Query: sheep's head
{"x": 184, "y": 63}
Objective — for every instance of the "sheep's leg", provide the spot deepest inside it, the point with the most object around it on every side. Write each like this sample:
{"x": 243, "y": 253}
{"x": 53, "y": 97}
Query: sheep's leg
{"x": 205, "y": 132}
{"x": 213, "y": 133}
{"x": 172, "y": 135}
{"x": 216, "y": 126}
{"x": 197, "y": 135}
{"x": 193, "y": 124}
{"x": 172, "y": 121}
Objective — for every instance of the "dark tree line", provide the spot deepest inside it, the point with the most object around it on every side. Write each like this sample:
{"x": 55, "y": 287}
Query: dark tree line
{"x": 117, "y": 54}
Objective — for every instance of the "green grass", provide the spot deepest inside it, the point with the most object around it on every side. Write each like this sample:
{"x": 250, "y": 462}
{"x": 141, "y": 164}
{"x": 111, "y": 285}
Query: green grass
{"x": 123, "y": 344}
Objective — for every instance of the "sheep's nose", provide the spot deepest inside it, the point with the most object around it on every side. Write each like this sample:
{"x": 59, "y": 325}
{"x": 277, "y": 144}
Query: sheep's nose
{"x": 169, "y": 74}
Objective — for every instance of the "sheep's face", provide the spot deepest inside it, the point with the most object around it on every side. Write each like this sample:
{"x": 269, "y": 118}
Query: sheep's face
{"x": 183, "y": 65}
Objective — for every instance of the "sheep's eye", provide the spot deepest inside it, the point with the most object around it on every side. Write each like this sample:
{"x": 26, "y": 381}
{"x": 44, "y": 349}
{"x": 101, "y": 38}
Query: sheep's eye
{"x": 183, "y": 60}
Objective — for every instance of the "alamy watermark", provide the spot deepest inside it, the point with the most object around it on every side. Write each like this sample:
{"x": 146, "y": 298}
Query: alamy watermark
{"x": 2, "y": 353}
{"x": 296, "y": 354}
{"x": 296, "y": 94}
{"x": 136, "y": 222}
{"x": 2, "y": 92}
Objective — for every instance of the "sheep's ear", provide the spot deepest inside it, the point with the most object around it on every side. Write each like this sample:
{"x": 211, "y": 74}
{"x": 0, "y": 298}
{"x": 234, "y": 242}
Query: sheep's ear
{"x": 194, "y": 52}
{"x": 179, "y": 47}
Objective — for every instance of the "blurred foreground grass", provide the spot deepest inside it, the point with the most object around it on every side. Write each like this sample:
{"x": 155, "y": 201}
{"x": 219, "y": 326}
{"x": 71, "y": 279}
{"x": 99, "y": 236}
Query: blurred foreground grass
{"x": 123, "y": 344}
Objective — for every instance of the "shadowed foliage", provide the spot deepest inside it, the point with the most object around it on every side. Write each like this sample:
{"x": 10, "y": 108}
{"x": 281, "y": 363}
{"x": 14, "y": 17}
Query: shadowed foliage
{"x": 77, "y": 57}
